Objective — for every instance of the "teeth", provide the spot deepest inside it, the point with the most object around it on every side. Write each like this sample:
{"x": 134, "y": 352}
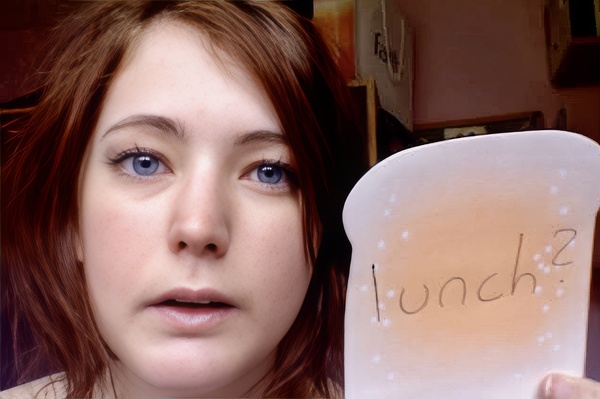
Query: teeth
{"x": 198, "y": 302}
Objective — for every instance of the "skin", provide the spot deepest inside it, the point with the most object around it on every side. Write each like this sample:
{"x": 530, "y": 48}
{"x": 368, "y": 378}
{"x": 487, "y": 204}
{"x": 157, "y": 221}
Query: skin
{"x": 202, "y": 218}
{"x": 557, "y": 386}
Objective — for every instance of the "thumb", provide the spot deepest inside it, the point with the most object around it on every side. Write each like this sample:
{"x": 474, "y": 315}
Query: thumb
{"x": 560, "y": 386}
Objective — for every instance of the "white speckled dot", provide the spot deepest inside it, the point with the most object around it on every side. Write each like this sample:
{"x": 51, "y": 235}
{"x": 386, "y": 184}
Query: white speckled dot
{"x": 389, "y": 376}
{"x": 560, "y": 292}
{"x": 545, "y": 308}
{"x": 563, "y": 211}
{"x": 381, "y": 244}
{"x": 541, "y": 265}
{"x": 387, "y": 212}
{"x": 391, "y": 293}
{"x": 387, "y": 322}
{"x": 556, "y": 348}
{"x": 364, "y": 288}
{"x": 405, "y": 234}
{"x": 537, "y": 257}
{"x": 376, "y": 359}
{"x": 562, "y": 173}
{"x": 548, "y": 249}
{"x": 393, "y": 198}
{"x": 549, "y": 334}
{"x": 538, "y": 289}
{"x": 547, "y": 270}
{"x": 374, "y": 320}
{"x": 541, "y": 339}
{"x": 382, "y": 306}
{"x": 553, "y": 190}
{"x": 572, "y": 243}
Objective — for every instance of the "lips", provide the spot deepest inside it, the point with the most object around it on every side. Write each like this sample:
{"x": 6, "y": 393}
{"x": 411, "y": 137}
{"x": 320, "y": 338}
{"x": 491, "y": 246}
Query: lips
{"x": 194, "y": 305}
{"x": 192, "y": 311}
{"x": 186, "y": 296}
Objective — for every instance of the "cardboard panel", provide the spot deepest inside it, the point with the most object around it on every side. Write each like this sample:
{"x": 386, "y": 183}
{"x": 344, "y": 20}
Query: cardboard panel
{"x": 471, "y": 265}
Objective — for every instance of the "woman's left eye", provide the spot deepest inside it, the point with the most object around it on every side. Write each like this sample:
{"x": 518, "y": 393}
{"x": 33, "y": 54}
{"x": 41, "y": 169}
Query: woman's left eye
{"x": 271, "y": 173}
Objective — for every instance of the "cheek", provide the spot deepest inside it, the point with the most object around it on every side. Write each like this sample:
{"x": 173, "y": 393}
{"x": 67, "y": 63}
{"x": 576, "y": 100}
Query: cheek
{"x": 279, "y": 252}
{"x": 114, "y": 239}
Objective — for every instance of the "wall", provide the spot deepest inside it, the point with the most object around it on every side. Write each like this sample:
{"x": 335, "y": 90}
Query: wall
{"x": 481, "y": 58}
{"x": 17, "y": 64}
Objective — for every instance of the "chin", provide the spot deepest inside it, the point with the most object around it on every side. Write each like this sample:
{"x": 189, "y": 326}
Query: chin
{"x": 167, "y": 379}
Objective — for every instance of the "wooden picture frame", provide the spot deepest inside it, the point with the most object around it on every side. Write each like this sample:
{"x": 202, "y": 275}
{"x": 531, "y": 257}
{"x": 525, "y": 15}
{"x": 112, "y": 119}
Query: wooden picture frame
{"x": 514, "y": 122}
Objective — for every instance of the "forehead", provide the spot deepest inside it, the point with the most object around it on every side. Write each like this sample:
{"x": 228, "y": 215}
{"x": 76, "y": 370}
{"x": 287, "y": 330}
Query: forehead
{"x": 173, "y": 67}
{"x": 172, "y": 48}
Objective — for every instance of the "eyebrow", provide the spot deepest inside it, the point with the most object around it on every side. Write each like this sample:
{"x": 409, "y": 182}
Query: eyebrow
{"x": 162, "y": 124}
{"x": 260, "y": 136}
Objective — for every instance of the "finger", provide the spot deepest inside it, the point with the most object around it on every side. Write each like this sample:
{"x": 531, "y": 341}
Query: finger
{"x": 559, "y": 386}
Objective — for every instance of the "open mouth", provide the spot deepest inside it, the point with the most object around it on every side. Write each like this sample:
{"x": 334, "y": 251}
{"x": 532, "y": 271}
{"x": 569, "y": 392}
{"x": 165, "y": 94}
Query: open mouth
{"x": 193, "y": 311}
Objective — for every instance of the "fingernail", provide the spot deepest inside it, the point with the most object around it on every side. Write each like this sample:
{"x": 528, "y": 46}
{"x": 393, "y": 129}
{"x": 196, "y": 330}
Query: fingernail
{"x": 557, "y": 387}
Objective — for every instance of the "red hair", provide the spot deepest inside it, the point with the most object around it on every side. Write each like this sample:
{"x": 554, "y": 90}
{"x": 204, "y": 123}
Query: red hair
{"x": 45, "y": 284}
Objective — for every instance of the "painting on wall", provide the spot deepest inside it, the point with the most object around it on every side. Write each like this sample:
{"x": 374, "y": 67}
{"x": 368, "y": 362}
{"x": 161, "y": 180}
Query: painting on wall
{"x": 516, "y": 122}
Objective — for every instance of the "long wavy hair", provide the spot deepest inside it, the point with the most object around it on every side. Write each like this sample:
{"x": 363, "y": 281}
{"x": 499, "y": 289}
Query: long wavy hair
{"x": 44, "y": 285}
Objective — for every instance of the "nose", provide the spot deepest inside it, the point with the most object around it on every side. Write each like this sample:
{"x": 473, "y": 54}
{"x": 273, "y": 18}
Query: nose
{"x": 199, "y": 224}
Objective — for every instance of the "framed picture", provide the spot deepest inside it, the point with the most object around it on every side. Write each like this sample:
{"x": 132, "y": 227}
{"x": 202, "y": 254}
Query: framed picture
{"x": 432, "y": 132}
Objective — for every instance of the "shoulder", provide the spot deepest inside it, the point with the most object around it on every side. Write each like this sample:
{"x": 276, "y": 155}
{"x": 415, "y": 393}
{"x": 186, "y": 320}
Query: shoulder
{"x": 50, "y": 387}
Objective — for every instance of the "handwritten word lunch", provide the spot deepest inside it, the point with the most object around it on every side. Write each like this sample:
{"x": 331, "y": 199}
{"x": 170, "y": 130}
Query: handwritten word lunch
{"x": 481, "y": 293}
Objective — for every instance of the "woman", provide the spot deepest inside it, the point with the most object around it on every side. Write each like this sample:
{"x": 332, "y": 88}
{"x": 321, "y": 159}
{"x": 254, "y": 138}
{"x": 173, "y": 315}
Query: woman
{"x": 173, "y": 216}
{"x": 172, "y": 208}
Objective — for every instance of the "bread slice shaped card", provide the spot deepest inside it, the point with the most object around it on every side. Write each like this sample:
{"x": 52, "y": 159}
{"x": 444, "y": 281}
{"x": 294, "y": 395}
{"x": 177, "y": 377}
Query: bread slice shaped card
{"x": 471, "y": 263}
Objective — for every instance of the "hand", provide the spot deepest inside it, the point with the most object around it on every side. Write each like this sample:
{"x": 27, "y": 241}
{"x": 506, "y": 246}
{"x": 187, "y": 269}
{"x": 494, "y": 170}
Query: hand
{"x": 559, "y": 386}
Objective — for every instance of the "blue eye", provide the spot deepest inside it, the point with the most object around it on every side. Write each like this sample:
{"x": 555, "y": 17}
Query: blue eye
{"x": 145, "y": 164}
{"x": 139, "y": 163}
{"x": 270, "y": 174}
{"x": 273, "y": 175}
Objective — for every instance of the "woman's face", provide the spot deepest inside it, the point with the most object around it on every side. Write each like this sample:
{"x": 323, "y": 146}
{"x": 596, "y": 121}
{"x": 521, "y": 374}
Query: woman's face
{"x": 191, "y": 230}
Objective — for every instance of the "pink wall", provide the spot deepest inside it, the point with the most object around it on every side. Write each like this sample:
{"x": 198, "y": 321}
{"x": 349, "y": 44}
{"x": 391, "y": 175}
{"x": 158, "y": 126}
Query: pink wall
{"x": 482, "y": 58}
